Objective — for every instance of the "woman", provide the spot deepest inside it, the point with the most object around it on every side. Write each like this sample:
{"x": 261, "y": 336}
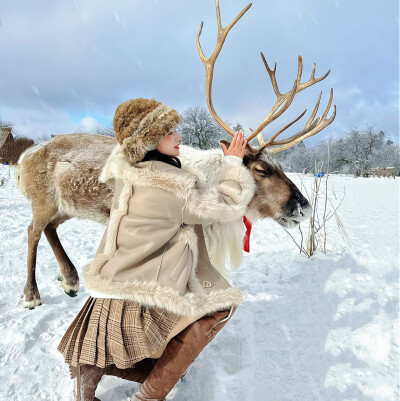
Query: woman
{"x": 156, "y": 300}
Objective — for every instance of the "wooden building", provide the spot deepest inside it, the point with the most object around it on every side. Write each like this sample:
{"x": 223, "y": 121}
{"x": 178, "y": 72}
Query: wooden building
{"x": 7, "y": 144}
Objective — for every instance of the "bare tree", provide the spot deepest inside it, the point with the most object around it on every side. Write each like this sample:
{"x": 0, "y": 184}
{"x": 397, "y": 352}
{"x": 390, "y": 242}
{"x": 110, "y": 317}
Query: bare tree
{"x": 198, "y": 129}
{"x": 95, "y": 127}
{"x": 42, "y": 138}
{"x": 357, "y": 150}
{"x": 104, "y": 130}
{"x": 356, "y": 153}
{"x": 387, "y": 156}
{"x": 6, "y": 124}
{"x": 299, "y": 159}
{"x": 317, "y": 233}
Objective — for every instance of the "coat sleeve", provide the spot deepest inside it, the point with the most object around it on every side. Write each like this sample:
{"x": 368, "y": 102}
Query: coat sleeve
{"x": 223, "y": 202}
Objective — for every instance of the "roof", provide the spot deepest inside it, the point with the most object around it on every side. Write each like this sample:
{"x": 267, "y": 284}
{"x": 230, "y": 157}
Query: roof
{"x": 4, "y": 136}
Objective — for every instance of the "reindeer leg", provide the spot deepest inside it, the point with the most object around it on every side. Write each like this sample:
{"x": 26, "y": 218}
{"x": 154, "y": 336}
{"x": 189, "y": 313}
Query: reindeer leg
{"x": 31, "y": 293}
{"x": 68, "y": 275}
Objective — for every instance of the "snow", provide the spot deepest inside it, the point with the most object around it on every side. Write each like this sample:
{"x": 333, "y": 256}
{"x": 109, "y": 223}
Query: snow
{"x": 324, "y": 328}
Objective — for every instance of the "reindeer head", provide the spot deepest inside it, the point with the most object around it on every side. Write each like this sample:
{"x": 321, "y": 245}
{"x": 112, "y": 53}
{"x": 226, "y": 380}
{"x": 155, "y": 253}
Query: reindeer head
{"x": 276, "y": 196}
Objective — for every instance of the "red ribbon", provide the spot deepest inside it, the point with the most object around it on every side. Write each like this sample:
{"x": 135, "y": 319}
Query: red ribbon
{"x": 246, "y": 239}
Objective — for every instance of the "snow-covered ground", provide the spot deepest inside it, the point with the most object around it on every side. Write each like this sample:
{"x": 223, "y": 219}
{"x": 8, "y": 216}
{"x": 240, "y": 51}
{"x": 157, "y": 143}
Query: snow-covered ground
{"x": 324, "y": 328}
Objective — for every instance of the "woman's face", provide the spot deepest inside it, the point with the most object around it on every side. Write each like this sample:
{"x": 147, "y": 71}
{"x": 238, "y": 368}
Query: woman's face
{"x": 169, "y": 145}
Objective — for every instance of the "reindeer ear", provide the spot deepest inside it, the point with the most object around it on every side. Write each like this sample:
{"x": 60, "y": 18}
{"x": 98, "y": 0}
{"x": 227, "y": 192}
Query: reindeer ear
{"x": 250, "y": 149}
{"x": 226, "y": 143}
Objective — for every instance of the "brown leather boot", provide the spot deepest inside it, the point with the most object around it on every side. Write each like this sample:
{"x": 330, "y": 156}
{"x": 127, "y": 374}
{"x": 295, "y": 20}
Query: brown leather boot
{"x": 179, "y": 354}
{"x": 87, "y": 378}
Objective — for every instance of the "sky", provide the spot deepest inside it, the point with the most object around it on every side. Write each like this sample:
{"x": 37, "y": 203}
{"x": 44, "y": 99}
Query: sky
{"x": 66, "y": 65}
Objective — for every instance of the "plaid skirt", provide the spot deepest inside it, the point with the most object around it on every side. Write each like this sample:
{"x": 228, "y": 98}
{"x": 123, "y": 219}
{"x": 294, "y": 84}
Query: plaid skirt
{"x": 115, "y": 331}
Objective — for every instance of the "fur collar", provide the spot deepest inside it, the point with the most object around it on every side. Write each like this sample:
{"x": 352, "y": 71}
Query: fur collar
{"x": 197, "y": 301}
{"x": 150, "y": 174}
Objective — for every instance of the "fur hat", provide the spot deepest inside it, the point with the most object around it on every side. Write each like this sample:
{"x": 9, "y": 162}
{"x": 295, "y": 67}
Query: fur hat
{"x": 140, "y": 124}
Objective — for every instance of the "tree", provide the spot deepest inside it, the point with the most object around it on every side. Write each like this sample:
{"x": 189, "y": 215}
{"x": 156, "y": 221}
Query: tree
{"x": 6, "y": 124}
{"x": 238, "y": 127}
{"x": 199, "y": 130}
{"x": 358, "y": 149}
{"x": 42, "y": 138}
{"x": 357, "y": 152}
{"x": 387, "y": 156}
{"x": 298, "y": 158}
{"x": 104, "y": 130}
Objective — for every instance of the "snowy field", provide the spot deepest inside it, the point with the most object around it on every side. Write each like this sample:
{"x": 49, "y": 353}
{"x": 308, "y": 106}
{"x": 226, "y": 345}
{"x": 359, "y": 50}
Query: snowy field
{"x": 324, "y": 328}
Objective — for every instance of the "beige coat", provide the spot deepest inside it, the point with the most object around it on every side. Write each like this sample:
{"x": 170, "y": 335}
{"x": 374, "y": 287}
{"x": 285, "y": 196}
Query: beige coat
{"x": 153, "y": 251}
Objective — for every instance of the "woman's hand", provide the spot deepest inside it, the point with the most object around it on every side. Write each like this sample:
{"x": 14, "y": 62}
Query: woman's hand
{"x": 237, "y": 146}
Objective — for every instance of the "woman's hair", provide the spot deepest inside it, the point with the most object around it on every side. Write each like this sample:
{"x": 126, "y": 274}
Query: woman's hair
{"x": 156, "y": 155}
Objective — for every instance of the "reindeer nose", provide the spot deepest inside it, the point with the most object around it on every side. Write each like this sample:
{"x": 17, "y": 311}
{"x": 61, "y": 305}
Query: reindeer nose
{"x": 299, "y": 207}
{"x": 304, "y": 202}
{"x": 300, "y": 198}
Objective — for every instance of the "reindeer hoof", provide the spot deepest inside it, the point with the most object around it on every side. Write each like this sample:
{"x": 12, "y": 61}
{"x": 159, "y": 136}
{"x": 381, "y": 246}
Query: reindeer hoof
{"x": 70, "y": 287}
{"x": 31, "y": 304}
{"x": 33, "y": 307}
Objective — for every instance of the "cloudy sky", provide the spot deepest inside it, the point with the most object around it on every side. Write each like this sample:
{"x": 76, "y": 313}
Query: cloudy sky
{"x": 66, "y": 64}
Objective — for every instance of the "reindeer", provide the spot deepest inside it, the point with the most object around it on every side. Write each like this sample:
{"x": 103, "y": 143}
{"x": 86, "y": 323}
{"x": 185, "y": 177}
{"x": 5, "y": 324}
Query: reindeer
{"x": 61, "y": 177}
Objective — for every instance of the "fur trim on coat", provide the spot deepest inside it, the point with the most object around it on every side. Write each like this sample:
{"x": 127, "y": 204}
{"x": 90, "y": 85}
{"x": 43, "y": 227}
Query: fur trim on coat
{"x": 178, "y": 275}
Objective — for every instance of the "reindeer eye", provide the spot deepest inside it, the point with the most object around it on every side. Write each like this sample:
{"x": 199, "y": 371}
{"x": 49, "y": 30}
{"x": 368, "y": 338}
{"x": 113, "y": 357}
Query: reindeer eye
{"x": 262, "y": 172}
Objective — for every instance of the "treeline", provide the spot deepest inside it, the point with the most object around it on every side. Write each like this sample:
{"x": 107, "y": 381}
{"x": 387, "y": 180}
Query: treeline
{"x": 357, "y": 152}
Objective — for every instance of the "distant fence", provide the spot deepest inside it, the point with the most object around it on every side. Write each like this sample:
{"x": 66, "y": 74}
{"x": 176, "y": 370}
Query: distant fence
{"x": 382, "y": 172}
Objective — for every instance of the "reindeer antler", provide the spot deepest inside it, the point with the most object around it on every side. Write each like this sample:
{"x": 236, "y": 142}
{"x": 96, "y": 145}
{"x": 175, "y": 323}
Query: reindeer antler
{"x": 282, "y": 103}
{"x": 210, "y": 61}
